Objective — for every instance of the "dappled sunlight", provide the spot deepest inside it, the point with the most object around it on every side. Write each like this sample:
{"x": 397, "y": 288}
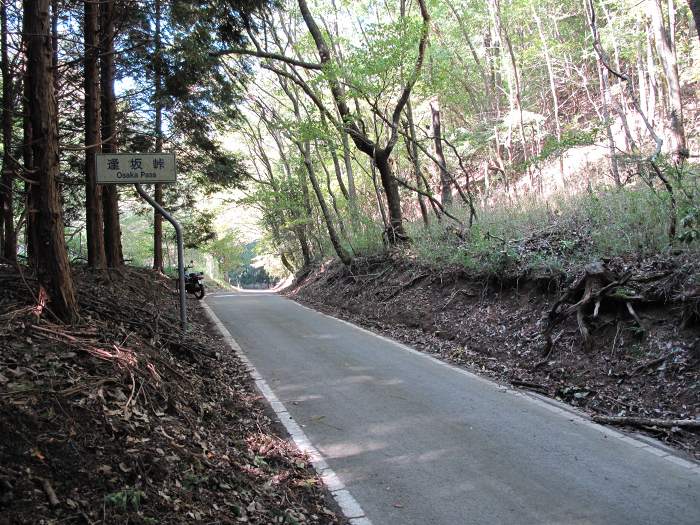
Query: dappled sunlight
{"x": 348, "y": 449}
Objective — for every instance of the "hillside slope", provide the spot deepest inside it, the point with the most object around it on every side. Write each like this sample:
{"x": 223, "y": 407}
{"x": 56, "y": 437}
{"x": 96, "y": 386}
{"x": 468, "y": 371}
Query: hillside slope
{"x": 121, "y": 420}
{"x": 638, "y": 362}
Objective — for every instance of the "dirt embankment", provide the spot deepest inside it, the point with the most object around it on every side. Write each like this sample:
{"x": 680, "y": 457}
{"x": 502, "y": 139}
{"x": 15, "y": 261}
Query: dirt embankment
{"x": 122, "y": 420}
{"x": 620, "y": 338}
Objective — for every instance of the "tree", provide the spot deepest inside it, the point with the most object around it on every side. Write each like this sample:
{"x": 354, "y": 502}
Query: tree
{"x": 93, "y": 192}
{"x": 158, "y": 104}
{"x": 667, "y": 56}
{"x": 445, "y": 183}
{"x": 53, "y": 267}
{"x": 694, "y": 6}
{"x": 379, "y": 154}
{"x": 559, "y": 92}
{"x": 110, "y": 195}
{"x": 8, "y": 237}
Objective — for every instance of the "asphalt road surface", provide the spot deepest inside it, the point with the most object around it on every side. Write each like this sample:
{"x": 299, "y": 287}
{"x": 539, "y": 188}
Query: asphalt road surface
{"x": 418, "y": 442}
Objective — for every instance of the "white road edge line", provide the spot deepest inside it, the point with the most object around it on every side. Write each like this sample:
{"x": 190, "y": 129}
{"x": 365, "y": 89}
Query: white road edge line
{"x": 649, "y": 445}
{"x": 347, "y": 503}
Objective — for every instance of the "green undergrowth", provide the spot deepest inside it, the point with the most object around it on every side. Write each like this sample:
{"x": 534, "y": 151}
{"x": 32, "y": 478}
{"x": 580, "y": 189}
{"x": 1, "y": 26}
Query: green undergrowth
{"x": 547, "y": 238}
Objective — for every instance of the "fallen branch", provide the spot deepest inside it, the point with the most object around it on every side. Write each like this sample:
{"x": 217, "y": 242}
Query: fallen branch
{"x": 454, "y": 295}
{"x": 648, "y": 422}
{"x": 50, "y": 493}
{"x": 651, "y": 363}
{"x": 530, "y": 386}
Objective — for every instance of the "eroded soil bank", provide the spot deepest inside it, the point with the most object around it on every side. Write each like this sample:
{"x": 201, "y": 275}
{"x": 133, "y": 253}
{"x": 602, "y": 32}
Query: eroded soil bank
{"x": 640, "y": 356}
{"x": 120, "y": 419}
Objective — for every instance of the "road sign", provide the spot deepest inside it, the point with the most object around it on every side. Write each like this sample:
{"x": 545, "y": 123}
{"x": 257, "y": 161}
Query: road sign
{"x": 147, "y": 168}
{"x": 135, "y": 168}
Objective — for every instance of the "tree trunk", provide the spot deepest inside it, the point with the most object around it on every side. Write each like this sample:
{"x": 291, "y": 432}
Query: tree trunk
{"x": 552, "y": 84}
{"x": 605, "y": 108}
{"x": 494, "y": 49}
{"x": 445, "y": 187}
{"x": 694, "y": 6}
{"x": 110, "y": 196}
{"x": 338, "y": 172}
{"x": 651, "y": 72}
{"x": 378, "y": 195}
{"x": 667, "y": 56}
{"x": 482, "y": 71}
{"x": 7, "y": 225}
{"x": 93, "y": 192}
{"x": 342, "y": 254}
{"x": 519, "y": 103}
{"x": 53, "y": 268}
{"x": 605, "y": 99}
{"x": 299, "y": 229}
{"x": 352, "y": 192}
{"x": 303, "y": 245}
{"x": 396, "y": 233}
{"x": 413, "y": 153}
{"x": 31, "y": 186}
{"x": 157, "y": 217}
{"x": 642, "y": 81}
{"x": 334, "y": 201}
{"x": 286, "y": 263}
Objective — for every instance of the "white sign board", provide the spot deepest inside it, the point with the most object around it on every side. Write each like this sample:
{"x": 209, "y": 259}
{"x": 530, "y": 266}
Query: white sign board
{"x": 135, "y": 168}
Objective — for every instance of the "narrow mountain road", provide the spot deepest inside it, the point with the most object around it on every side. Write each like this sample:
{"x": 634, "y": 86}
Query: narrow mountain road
{"x": 418, "y": 442}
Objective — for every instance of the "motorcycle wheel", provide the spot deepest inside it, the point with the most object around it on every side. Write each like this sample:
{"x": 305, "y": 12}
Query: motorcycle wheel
{"x": 199, "y": 294}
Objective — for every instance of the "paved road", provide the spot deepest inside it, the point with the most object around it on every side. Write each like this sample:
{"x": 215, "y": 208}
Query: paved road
{"x": 418, "y": 442}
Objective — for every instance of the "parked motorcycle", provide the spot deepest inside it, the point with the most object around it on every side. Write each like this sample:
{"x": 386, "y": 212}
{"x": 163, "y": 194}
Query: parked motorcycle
{"x": 194, "y": 282}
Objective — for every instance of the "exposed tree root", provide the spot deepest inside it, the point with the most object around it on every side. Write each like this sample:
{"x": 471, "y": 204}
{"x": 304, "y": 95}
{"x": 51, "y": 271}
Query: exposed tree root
{"x": 595, "y": 284}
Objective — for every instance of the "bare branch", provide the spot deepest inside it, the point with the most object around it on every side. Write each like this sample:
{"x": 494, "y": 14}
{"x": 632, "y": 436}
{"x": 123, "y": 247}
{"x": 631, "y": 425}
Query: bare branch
{"x": 266, "y": 54}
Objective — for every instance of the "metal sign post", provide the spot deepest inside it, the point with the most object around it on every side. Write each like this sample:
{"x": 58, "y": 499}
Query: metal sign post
{"x": 147, "y": 168}
{"x": 180, "y": 252}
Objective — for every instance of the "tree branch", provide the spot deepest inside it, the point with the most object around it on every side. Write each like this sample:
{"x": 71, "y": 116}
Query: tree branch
{"x": 266, "y": 54}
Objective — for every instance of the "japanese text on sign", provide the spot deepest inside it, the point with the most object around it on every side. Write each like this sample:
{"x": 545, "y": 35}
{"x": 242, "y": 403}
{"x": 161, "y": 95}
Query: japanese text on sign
{"x": 136, "y": 168}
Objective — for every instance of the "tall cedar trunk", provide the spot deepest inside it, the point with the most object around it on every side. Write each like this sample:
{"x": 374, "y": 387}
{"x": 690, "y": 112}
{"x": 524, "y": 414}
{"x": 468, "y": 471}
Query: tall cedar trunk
{"x": 445, "y": 186}
{"x": 110, "y": 196}
{"x": 415, "y": 159}
{"x": 52, "y": 257}
{"x": 7, "y": 225}
{"x": 157, "y": 217}
{"x": 93, "y": 192}
{"x": 694, "y": 6}
{"x": 667, "y": 56}
{"x": 54, "y": 42}
{"x": 31, "y": 185}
